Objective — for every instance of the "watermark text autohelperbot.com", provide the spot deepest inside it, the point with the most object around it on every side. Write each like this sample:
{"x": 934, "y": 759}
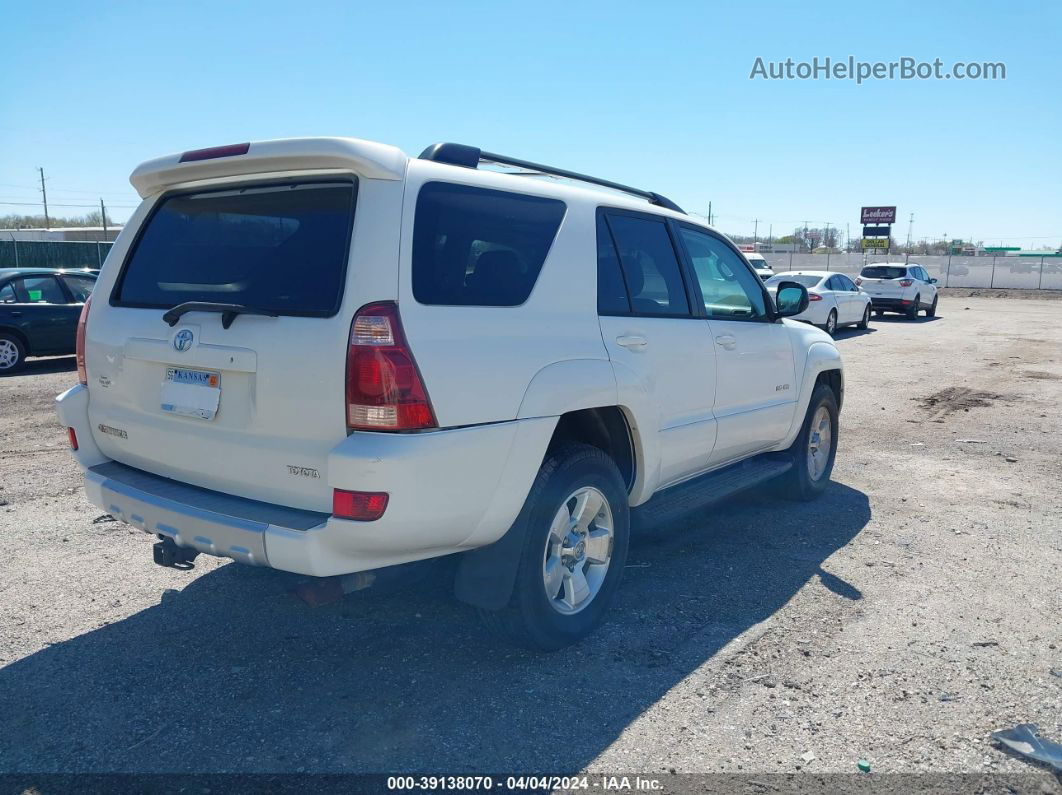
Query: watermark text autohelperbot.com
{"x": 849, "y": 68}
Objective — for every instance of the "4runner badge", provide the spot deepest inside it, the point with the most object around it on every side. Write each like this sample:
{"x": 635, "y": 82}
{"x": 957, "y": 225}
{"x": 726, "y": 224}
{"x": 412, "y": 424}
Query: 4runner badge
{"x": 306, "y": 472}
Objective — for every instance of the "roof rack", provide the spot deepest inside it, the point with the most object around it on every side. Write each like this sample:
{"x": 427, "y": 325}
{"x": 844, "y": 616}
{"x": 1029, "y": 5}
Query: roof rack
{"x": 472, "y": 156}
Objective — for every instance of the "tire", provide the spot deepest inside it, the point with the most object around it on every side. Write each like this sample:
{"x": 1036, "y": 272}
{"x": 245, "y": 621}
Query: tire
{"x": 864, "y": 324}
{"x": 803, "y": 482}
{"x": 831, "y": 323}
{"x": 572, "y": 476}
{"x": 932, "y": 311}
{"x": 912, "y": 310}
{"x": 12, "y": 353}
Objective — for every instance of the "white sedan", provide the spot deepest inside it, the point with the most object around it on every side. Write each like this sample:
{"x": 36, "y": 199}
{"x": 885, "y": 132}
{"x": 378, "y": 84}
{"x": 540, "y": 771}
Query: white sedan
{"x": 835, "y": 300}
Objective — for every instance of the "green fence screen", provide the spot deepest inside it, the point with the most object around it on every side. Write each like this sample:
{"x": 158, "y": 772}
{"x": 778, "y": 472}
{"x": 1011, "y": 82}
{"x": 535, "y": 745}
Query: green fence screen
{"x": 52, "y": 254}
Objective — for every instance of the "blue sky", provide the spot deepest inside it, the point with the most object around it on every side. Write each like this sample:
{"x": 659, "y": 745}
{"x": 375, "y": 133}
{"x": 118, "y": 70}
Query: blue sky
{"x": 657, "y": 95}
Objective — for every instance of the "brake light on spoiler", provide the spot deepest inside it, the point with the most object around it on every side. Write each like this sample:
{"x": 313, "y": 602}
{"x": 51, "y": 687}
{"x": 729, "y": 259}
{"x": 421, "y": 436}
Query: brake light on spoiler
{"x": 213, "y": 152}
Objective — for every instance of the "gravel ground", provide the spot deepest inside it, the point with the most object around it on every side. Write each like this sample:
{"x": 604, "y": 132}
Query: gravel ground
{"x": 900, "y": 619}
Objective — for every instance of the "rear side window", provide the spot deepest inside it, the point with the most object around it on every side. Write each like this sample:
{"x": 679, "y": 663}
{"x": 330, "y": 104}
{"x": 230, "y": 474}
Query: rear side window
{"x": 650, "y": 265}
{"x": 883, "y": 272}
{"x": 277, "y": 247}
{"x": 611, "y": 291}
{"x": 480, "y": 247}
{"x": 7, "y": 295}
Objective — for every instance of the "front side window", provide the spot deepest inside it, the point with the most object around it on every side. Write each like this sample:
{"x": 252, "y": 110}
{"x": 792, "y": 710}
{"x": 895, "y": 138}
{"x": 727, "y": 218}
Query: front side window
{"x": 650, "y": 266}
{"x": 277, "y": 247}
{"x": 7, "y": 295}
{"x": 729, "y": 289}
{"x": 38, "y": 290}
{"x": 479, "y": 247}
{"x": 79, "y": 286}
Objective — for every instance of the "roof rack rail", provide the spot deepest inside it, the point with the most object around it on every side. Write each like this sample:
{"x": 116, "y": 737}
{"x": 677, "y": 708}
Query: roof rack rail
{"x": 471, "y": 156}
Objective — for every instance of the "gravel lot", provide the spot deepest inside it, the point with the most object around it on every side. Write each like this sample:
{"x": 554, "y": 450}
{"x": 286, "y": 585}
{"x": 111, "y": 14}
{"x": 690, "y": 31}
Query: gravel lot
{"x": 903, "y": 617}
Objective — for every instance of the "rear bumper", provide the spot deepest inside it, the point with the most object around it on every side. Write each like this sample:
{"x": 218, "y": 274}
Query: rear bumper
{"x": 450, "y": 491}
{"x": 890, "y": 303}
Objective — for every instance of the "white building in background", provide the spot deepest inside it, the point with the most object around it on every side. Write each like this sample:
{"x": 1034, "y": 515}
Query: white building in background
{"x": 90, "y": 234}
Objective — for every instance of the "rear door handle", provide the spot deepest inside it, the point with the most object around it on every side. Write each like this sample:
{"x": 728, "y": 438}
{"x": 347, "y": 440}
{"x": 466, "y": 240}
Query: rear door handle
{"x": 726, "y": 341}
{"x": 633, "y": 343}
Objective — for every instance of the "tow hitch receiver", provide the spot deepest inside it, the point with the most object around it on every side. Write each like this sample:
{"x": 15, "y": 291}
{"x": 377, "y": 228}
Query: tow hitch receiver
{"x": 168, "y": 554}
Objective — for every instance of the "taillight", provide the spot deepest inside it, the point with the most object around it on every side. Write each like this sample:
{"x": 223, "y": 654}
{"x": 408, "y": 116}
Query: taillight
{"x": 814, "y": 297}
{"x": 906, "y": 282}
{"x": 79, "y": 344}
{"x": 361, "y": 506}
{"x": 71, "y": 434}
{"x": 858, "y": 281}
{"x": 384, "y": 389}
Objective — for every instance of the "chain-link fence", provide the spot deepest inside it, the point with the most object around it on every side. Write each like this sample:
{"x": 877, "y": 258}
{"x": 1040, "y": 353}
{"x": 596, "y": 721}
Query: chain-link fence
{"x": 52, "y": 254}
{"x": 1028, "y": 272}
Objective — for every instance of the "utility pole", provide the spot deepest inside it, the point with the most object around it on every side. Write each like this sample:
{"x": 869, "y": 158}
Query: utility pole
{"x": 910, "y": 225}
{"x": 755, "y": 232}
{"x": 709, "y": 213}
{"x": 770, "y": 237}
{"x": 847, "y": 239}
{"x": 103, "y": 219}
{"x": 826, "y": 236}
{"x": 44, "y": 195}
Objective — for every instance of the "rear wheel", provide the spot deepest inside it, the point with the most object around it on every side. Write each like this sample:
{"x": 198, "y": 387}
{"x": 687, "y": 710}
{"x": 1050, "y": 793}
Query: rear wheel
{"x": 932, "y": 311}
{"x": 831, "y": 323}
{"x": 576, "y": 527}
{"x": 815, "y": 448}
{"x": 864, "y": 324}
{"x": 12, "y": 353}
{"x": 912, "y": 310}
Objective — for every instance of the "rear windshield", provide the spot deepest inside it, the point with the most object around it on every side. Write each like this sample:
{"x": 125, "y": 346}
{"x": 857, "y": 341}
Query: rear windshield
{"x": 806, "y": 281}
{"x": 479, "y": 247}
{"x": 883, "y": 272}
{"x": 277, "y": 247}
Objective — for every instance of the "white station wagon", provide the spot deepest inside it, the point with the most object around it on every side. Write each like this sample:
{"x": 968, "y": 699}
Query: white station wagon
{"x": 324, "y": 356}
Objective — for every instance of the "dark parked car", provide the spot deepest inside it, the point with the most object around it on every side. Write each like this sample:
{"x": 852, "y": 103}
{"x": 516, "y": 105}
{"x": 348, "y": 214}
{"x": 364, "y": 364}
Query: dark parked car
{"x": 39, "y": 309}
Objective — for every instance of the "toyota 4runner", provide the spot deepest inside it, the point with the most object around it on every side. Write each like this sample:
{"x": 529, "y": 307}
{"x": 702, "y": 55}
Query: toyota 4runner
{"x": 326, "y": 357}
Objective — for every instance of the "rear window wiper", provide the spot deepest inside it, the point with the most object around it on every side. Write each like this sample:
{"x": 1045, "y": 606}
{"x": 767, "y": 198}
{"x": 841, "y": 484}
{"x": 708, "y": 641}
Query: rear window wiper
{"x": 228, "y": 311}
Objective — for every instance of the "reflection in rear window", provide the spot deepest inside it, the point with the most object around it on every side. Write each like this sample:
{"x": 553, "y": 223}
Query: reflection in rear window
{"x": 279, "y": 247}
{"x": 883, "y": 272}
{"x": 807, "y": 281}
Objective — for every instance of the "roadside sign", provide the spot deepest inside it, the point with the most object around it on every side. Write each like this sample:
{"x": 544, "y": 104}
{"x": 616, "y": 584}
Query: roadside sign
{"x": 877, "y": 215}
{"x": 875, "y": 242}
{"x": 876, "y": 231}
{"x": 1002, "y": 248}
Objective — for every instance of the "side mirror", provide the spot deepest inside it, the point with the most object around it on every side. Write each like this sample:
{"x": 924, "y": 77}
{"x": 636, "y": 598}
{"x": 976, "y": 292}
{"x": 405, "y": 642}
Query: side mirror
{"x": 791, "y": 299}
{"x": 932, "y": 281}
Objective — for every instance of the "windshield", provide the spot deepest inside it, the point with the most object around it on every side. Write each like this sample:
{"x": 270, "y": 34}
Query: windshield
{"x": 277, "y": 247}
{"x": 883, "y": 272}
{"x": 799, "y": 278}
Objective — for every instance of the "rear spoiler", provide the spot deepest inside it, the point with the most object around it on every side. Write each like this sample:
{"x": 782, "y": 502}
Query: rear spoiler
{"x": 367, "y": 158}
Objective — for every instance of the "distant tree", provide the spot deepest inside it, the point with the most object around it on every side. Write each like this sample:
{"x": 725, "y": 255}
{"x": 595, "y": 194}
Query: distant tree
{"x": 37, "y": 221}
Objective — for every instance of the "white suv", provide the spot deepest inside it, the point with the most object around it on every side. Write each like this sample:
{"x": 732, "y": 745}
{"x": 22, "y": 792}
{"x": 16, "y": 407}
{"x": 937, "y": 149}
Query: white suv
{"x": 326, "y": 357}
{"x": 903, "y": 287}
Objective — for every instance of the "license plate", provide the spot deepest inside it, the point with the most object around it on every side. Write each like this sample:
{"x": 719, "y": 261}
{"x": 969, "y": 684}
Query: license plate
{"x": 191, "y": 393}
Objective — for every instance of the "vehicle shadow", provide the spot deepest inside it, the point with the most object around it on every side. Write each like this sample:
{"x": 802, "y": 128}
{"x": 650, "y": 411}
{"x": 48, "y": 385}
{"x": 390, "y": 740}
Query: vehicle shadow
{"x": 234, "y": 674}
{"x": 850, "y": 332}
{"x": 46, "y": 366}
{"x": 895, "y": 318}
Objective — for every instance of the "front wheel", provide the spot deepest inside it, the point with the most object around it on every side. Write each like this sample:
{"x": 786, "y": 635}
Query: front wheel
{"x": 576, "y": 524}
{"x": 12, "y": 353}
{"x": 815, "y": 448}
{"x": 864, "y": 324}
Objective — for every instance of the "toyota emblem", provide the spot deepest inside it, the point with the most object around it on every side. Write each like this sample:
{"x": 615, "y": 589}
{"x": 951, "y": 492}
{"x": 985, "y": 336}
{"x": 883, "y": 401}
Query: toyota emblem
{"x": 182, "y": 340}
